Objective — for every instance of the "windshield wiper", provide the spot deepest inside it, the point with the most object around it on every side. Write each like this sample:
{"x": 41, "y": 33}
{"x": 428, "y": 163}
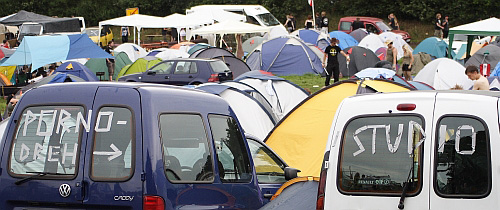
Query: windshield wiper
{"x": 401, "y": 204}
{"x": 36, "y": 175}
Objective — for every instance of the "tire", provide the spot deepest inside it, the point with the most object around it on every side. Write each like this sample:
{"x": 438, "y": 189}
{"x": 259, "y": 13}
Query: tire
{"x": 196, "y": 83}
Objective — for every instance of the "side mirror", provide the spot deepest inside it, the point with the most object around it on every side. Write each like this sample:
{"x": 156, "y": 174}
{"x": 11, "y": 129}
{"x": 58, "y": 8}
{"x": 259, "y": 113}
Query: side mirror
{"x": 151, "y": 72}
{"x": 291, "y": 173}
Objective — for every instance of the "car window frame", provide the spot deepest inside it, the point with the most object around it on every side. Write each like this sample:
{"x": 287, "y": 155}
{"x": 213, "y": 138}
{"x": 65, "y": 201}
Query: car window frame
{"x": 435, "y": 161}
{"x": 48, "y": 176}
{"x": 274, "y": 157}
{"x": 210, "y": 145}
{"x": 174, "y": 63}
{"x": 133, "y": 146}
{"x": 420, "y": 184}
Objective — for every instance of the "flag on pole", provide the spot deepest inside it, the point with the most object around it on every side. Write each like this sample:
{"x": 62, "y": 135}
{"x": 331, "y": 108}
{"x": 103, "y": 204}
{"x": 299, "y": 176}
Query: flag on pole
{"x": 310, "y": 2}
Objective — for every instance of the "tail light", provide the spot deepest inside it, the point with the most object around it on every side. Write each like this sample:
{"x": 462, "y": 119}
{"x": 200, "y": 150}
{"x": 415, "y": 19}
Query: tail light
{"x": 213, "y": 78}
{"x": 406, "y": 107}
{"x": 153, "y": 203}
{"x": 320, "y": 202}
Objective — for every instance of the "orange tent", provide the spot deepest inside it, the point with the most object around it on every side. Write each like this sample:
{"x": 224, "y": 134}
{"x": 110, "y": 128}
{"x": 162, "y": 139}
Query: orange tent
{"x": 178, "y": 45}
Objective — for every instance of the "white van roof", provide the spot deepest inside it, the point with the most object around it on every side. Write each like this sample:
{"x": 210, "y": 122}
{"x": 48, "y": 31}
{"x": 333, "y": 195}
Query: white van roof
{"x": 249, "y": 9}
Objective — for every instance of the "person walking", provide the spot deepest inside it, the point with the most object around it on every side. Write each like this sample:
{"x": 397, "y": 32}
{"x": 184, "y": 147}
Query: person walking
{"x": 324, "y": 23}
{"x": 317, "y": 21}
{"x": 407, "y": 62}
{"x": 332, "y": 65}
{"x": 446, "y": 27}
{"x": 438, "y": 27}
{"x": 289, "y": 24}
{"x": 309, "y": 22}
{"x": 391, "y": 54}
{"x": 125, "y": 34}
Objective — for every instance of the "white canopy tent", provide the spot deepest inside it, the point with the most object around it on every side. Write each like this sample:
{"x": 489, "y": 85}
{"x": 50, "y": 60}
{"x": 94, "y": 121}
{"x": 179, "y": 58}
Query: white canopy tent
{"x": 137, "y": 21}
{"x": 229, "y": 27}
{"x": 488, "y": 27}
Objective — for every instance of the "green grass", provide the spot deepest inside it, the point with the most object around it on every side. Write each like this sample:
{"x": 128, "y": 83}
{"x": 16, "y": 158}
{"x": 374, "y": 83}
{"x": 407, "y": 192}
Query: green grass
{"x": 310, "y": 82}
{"x": 2, "y": 105}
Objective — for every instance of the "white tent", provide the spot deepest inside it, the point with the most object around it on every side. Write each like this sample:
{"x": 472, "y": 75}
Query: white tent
{"x": 372, "y": 42}
{"x": 229, "y": 27}
{"x": 397, "y": 40}
{"x": 443, "y": 74}
{"x": 133, "y": 51}
{"x": 169, "y": 54}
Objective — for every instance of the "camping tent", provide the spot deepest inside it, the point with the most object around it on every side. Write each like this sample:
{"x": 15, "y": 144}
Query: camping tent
{"x": 168, "y": 54}
{"x": 99, "y": 65}
{"x": 361, "y": 58}
{"x": 359, "y": 34}
{"x": 314, "y": 37}
{"x": 78, "y": 70}
{"x": 133, "y": 51}
{"x": 140, "y": 65}
{"x": 197, "y": 47}
{"x": 250, "y": 44}
{"x": 345, "y": 40}
{"x": 298, "y": 193}
{"x": 281, "y": 94}
{"x": 432, "y": 46}
{"x": 41, "y": 50}
{"x": 489, "y": 54}
{"x": 285, "y": 56}
{"x": 488, "y": 27}
{"x": 251, "y": 114}
{"x": 372, "y": 42}
{"x": 300, "y": 137}
{"x": 443, "y": 74}
{"x": 211, "y": 53}
{"x": 237, "y": 66}
{"x": 398, "y": 42}
{"x": 57, "y": 77}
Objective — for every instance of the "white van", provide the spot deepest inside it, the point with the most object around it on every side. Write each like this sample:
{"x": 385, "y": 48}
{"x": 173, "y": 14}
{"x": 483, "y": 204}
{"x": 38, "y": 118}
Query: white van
{"x": 415, "y": 150}
{"x": 255, "y": 14}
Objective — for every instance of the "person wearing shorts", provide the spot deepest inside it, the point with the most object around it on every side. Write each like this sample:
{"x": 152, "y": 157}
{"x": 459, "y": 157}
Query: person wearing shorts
{"x": 110, "y": 62}
{"x": 407, "y": 62}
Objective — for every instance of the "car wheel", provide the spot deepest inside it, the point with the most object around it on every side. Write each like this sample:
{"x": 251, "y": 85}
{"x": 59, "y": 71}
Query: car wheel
{"x": 196, "y": 83}
{"x": 131, "y": 81}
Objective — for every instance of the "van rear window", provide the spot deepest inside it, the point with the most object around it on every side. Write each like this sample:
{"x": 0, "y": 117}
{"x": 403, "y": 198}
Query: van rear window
{"x": 47, "y": 140}
{"x": 345, "y": 26}
{"x": 380, "y": 153}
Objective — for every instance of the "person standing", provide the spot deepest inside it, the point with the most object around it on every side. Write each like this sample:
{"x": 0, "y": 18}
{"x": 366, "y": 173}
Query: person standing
{"x": 446, "y": 27}
{"x": 289, "y": 24}
{"x": 332, "y": 66}
{"x": 480, "y": 82}
{"x": 438, "y": 28}
{"x": 357, "y": 24}
{"x": 125, "y": 34}
{"x": 407, "y": 62}
{"x": 110, "y": 62}
{"x": 393, "y": 22}
{"x": 324, "y": 23}
{"x": 317, "y": 21}
{"x": 309, "y": 22}
{"x": 392, "y": 54}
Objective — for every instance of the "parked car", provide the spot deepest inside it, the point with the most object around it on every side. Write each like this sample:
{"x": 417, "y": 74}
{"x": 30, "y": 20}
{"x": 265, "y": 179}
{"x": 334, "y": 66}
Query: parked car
{"x": 414, "y": 150}
{"x": 372, "y": 25}
{"x": 188, "y": 71}
{"x": 93, "y": 33}
{"x": 125, "y": 146}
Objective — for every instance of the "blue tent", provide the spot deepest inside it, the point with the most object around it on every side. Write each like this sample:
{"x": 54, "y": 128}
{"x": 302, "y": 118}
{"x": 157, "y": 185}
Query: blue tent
{"x": 41, "y": 50}
{"x": 345, "y": 40}
{"x": 314, "y": 37}
{"x": 285, "y": 56}
{"x": 433, "y": 46}
{"x": 78, "y": 70}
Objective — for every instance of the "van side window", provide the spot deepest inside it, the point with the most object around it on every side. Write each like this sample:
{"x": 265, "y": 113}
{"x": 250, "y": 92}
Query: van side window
{"x": 114, "y": 144}
{"x": 186, "y": 153}
{"x": 345, "y": 26}
{"x": 463, "y": 158}
{"x": 380, "y": 153}
{"x": 183, "y": 67}
{"x": 47, "y": 140}
{"x": 232, "y": 156}
{"x": 268, "y": 167}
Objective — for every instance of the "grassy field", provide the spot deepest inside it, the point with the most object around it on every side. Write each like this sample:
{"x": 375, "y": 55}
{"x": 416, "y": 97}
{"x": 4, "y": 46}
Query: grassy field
{"x": 310, "y": 82}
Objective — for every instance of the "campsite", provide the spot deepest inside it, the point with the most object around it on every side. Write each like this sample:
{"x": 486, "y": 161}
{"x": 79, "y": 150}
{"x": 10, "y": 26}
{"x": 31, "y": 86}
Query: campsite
{"x": 231, "y": 106}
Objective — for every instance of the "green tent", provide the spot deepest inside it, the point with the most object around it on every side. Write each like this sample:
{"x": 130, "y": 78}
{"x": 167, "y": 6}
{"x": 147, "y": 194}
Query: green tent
{"x": 140, "y": 65}
{"x": 99, "y": 65}
{"x": 488, "y": 27}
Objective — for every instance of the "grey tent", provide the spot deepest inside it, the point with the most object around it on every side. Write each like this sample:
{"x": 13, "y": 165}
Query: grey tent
{"x": 50, "y": 24}
{"x": 359, "y": 34}
{"x": 299, "y": 195}
{"x": 361, "y": 58}
{"x": 489, "y": 54}
{"x": 250, "y": 44}
{"x": 236, "y": 65}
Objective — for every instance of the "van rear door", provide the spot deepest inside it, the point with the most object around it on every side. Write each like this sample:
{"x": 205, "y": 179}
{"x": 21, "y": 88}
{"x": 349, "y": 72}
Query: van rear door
{"x": 113, "y": 162}
{"x": 376, "y": 146}
{"x": 466, "y": 129}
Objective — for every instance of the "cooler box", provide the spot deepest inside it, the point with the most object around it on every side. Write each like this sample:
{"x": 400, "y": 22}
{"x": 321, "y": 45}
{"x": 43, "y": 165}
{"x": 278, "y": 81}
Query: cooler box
{"x": 485, "y": 69}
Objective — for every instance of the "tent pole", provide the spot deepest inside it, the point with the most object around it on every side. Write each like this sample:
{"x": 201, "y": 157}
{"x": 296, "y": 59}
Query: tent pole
{"x": 450, "y": 41}
{"x": 99, "y": 36}
{"x": 139, "y": 36}
{"x": 134, "y": 34}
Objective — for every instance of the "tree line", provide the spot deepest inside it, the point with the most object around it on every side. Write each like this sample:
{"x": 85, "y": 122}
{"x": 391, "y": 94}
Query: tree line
{"x": 459, "y": 11}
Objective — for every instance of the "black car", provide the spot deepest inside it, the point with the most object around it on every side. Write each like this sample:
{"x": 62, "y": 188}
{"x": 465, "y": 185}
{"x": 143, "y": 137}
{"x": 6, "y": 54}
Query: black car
{"x": 186, "y": 71}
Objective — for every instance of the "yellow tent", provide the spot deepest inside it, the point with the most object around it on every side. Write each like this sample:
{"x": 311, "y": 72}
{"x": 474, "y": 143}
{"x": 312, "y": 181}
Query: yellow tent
{"x": 300, "y": 137}
{"x": 8, "y": 71}
{"x": 473, "y": 49}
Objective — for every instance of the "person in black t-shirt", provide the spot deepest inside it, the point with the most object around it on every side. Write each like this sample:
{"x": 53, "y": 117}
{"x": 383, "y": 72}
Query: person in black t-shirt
{"x": 324, "y": 23}
{"x": 357, "y": 24}
{"x": 332, "y": 66}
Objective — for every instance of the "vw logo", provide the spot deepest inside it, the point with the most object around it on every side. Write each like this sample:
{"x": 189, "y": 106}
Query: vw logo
{"x": 64, "y": 190}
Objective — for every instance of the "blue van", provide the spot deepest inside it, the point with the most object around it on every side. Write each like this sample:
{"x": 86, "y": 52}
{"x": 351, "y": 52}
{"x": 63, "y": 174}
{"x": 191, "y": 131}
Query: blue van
{"x": 125, "y": 146}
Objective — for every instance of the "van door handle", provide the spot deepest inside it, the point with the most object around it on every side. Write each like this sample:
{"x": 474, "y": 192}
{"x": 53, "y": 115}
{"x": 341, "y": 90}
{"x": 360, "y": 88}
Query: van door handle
{"x": 268, "y": 195}
{"x": 167, "y": 77}
{"x": 190, "y": 76}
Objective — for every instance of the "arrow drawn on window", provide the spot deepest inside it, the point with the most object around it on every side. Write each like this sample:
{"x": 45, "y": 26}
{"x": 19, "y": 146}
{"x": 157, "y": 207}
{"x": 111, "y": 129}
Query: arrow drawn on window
{"x": 112, "y": 155}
